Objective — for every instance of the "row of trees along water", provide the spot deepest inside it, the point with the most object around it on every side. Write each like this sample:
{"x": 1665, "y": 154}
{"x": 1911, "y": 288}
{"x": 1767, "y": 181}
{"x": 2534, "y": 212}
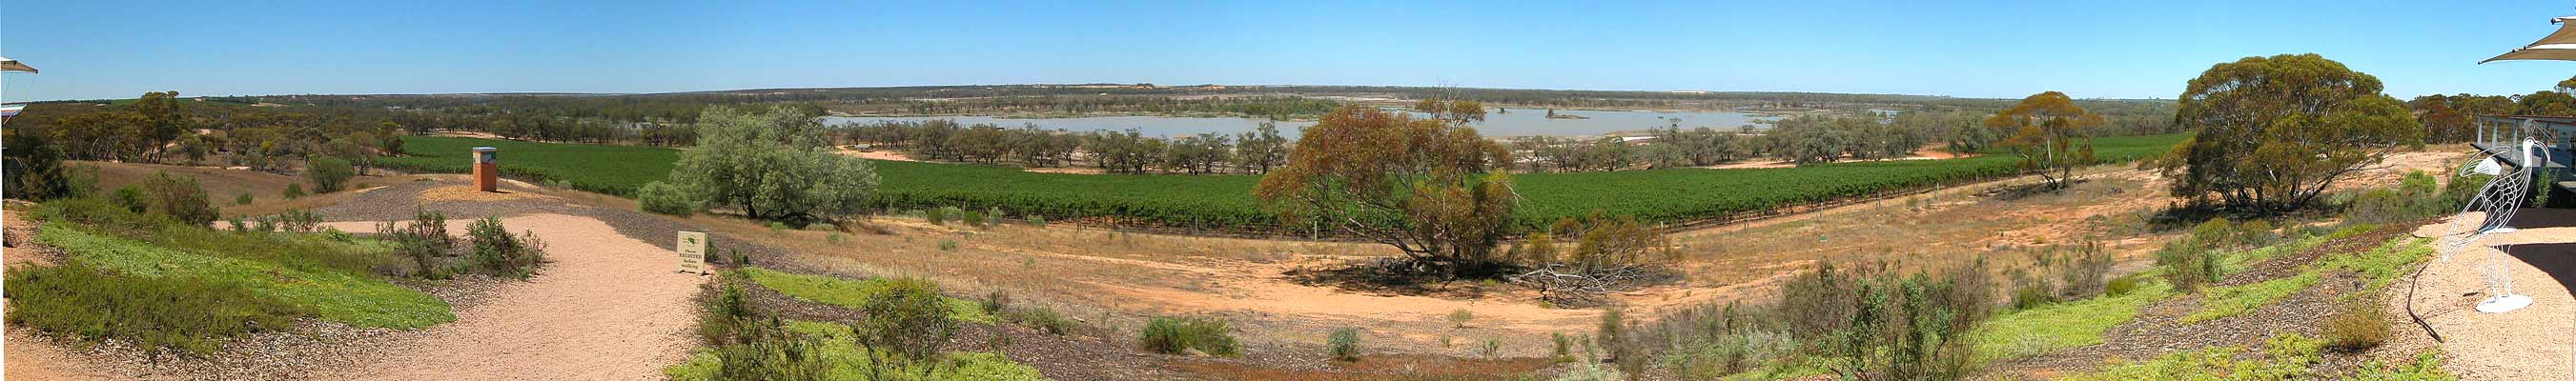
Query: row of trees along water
{"x": 662, "y": 119}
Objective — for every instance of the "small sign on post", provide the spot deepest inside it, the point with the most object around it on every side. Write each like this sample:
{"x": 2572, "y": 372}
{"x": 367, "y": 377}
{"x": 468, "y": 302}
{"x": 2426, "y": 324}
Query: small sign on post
{"x": 693, "y": 252}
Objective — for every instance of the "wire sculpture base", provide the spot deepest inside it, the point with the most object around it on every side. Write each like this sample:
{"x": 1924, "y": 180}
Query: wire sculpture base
{"x": 2503, "y": 303}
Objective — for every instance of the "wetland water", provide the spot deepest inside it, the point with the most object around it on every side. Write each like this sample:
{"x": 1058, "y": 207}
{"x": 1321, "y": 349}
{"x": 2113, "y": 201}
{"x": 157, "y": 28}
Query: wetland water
{"x": 1511, "y": 122}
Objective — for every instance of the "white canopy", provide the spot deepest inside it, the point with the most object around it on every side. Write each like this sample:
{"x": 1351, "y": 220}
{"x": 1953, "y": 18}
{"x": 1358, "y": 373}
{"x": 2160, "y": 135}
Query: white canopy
{"x": 7, "y": 64}
{"x": 2560, "y": 45}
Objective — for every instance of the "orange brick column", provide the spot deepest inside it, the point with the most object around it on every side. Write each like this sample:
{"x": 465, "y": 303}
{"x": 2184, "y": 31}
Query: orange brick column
{"x": 487, "y": 173}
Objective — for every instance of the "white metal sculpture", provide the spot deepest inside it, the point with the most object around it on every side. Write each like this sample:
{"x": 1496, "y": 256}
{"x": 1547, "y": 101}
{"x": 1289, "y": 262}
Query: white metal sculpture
{"x": 2497, "y": 202}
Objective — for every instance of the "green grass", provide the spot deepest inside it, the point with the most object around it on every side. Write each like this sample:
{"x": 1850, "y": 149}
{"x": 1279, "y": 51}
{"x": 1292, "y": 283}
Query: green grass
{"x": 341, "y": 296}
{"x": 191, "y": 314}
{"x": 850, "y": 293}
{"x": 2383, "y": 264}
{"x": 2427, "y": 367}
{"x": 2285, "y": 357}
{"x": 2222, "y": 302}
{"x": 611, "y": 169}
{"x": 1225, "y": 201}
{"x": 2062, "y": 325}
{"x": 839, "y": 349}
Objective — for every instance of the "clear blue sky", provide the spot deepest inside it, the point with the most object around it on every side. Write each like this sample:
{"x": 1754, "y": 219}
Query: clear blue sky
{"x": 2129, "y": 49}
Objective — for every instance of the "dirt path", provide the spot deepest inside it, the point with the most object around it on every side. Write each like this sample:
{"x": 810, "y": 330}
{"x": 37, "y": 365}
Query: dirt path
{"x": 30, "y": 358}
{"x": 607, "y": 307}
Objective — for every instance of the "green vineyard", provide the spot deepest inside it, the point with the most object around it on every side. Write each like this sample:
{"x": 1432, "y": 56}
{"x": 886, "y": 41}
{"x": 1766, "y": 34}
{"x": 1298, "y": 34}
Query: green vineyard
{"x": 1225, "y": 202}
{"x": 611, "y": 169}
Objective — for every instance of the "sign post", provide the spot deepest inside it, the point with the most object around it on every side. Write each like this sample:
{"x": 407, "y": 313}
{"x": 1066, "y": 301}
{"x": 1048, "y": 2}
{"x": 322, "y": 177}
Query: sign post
{"x": 693, "y": 252}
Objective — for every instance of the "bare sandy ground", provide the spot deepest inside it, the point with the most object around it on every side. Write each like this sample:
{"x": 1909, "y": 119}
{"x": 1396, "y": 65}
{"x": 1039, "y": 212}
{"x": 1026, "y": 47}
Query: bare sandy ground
{"x": 880, "y": 154}
{"x": 1928, "y": 152}
{"x": 30, "y": 359}
{"x": 608, "y": 307}
{"x": 2533, "y": 343}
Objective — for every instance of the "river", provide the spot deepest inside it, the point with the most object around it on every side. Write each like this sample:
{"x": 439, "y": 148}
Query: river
{"x": 1507, "y": 122}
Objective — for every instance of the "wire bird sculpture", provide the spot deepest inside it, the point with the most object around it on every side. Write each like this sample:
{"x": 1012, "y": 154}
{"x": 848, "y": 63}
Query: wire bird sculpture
{"x": 2498, "y": 201}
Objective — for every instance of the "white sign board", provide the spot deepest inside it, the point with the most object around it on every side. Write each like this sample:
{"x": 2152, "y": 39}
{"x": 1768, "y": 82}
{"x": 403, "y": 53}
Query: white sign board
{"x": 693, "y": 252}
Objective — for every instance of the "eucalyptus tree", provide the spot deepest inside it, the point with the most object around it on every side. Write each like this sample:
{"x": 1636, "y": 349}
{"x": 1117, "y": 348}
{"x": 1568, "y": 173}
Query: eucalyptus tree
{"x": 2274, "y": 132}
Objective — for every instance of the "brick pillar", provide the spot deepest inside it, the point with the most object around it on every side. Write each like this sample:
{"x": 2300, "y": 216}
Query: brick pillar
{"x": 487, "y": 173}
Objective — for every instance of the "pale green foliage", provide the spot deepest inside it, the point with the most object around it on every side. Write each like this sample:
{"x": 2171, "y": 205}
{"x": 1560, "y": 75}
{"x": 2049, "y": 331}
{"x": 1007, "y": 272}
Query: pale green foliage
{"x": 1344, "y": 344}
{"x": 2058, "y": 326}
{"x": 907, "y": 318}
{"x": 329, "y": 174}
{"x": 772, "y": 165}
{"x": 664, "y": 198}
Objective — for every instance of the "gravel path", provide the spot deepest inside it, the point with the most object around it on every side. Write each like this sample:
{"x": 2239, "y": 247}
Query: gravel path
{"x": 606, "y": 307}
{"x": 2528, "y": 344}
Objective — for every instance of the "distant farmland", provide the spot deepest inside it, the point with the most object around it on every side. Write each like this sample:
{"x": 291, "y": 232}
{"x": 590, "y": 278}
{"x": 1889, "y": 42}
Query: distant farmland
{"x": 1225, "y": 202}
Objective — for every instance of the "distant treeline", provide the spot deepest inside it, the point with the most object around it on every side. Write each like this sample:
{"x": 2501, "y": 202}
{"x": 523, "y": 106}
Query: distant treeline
{"x": 1251, "y": 152}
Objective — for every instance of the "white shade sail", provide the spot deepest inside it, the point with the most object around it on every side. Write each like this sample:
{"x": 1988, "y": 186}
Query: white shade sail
{"x": 2559, "y": 46}
{"x": 7, "y": 64}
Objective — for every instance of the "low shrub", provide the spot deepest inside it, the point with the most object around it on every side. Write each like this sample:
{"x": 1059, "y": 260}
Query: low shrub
{"x": 1043, "y": 319}
{"x": 1459, "y": 318}
{"x": 664, "y": 198}
{"x": 975, "y": 218}
{"x": 908, "y": 319}
{"x": 243, "y": 199}
{"x": 949, "y": 245}
{"x": 299, "y": 221}
{"x": 1167, "y": 335}
{"x": 329, "y": 174}
{"x": 1592, "y": 372}
{"x": 294, "y": 190}
{"x": 936, "y": 216}
{"x": 2120, "y": 286}
{"x": 2359, "y": 325}
{"x": 1037, "y": 220}
{"x": 850, "y": 293}
{"x": 2026, "y": 297}
{"x": 131, "y": 198}
{"x": 1344, "y": 344}
{"x": 191, "y": 314}
{"x": 996, "y": 301}
{"x": 501, "y": 254}
{"x": 1563, "y": 347}
{"x": 181, "y": 199}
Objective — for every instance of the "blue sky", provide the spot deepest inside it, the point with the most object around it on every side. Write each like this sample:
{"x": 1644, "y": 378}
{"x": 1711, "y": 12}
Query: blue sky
{"x": 2141, "y": 49}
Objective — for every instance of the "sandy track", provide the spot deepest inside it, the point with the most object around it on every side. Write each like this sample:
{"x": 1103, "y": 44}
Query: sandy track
{"x": 608, "y": 307}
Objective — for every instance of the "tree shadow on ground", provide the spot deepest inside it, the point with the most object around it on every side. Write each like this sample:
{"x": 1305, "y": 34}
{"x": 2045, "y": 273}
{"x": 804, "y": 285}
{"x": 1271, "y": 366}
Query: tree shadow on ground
{"x": 1383, "y": 276}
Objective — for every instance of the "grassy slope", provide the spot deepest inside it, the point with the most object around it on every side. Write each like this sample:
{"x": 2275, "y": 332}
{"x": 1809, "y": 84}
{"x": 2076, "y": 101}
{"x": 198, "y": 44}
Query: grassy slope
{"x": 839, "y": 348}
{"x": 1226, "y": 200}
{"x": 2063, "y": 325}
{"x": 354, "y": 299}
{"x": 849, "y": 293}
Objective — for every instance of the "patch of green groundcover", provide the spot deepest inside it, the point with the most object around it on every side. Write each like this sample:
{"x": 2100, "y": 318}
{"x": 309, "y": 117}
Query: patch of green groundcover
{"x": 187, "y": 313}
{"x": 850, "y": 293}
{"x": 342, "y": 296}
{"x": 837, "y": 348}
{"x": 2284, "y": 357}
{"x": 2063, "y": 325}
